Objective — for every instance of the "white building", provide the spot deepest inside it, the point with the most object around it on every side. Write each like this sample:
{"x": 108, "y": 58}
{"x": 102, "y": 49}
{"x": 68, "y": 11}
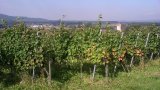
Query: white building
{"x": 119, "y": 27}
{"x": 116, "y": 26}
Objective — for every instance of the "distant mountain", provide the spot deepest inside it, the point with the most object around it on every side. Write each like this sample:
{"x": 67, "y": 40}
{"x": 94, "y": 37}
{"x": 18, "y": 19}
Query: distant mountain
{"x": 27, "y": 20}
{"x": 11, "y": 19}
{"x": 3, "y": 16}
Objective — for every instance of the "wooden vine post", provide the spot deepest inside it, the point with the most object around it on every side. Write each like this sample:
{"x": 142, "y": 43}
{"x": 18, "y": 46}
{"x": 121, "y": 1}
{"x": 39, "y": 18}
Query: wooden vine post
{"x": 158, "y": 49}
{"x": 50, "y": 72}
{"x": 132, "y": 59}
{"x": 94, "y": 71}
{"x": 33, "y": 75}
{"x": 142, "y": 58}
{"x": 106, "y": 70}
{"x": 151, "y": 57}
{"x": 120, "y": 45}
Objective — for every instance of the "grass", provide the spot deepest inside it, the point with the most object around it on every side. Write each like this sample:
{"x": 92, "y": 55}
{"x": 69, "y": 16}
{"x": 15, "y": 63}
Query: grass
{"x": 138, "y": 79}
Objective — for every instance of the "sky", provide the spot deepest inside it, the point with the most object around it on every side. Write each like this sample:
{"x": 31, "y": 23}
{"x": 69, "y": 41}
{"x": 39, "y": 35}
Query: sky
{"x": 112, "y": 10}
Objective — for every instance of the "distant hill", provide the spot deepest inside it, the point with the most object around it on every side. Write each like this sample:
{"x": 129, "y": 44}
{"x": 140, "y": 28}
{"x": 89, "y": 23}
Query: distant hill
{"x": 3, "y": 16}
{"x": 27, "y": 20}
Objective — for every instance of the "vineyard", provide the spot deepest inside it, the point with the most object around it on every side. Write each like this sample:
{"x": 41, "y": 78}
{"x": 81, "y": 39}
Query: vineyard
{"x": 51, "y": 53}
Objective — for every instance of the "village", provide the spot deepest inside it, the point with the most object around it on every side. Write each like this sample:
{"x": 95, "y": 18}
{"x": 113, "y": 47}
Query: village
{"x": 114, "y": 26}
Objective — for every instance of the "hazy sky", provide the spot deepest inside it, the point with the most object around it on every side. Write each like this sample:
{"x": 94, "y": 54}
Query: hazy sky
{"x": 129, "y": 10}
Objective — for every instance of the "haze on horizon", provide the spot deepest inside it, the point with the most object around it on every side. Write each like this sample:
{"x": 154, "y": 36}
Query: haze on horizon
{"x": 112, "y": 10}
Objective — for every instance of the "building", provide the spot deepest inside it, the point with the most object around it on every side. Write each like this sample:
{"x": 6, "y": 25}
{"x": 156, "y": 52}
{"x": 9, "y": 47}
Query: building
{"x": 116, "y": 26}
